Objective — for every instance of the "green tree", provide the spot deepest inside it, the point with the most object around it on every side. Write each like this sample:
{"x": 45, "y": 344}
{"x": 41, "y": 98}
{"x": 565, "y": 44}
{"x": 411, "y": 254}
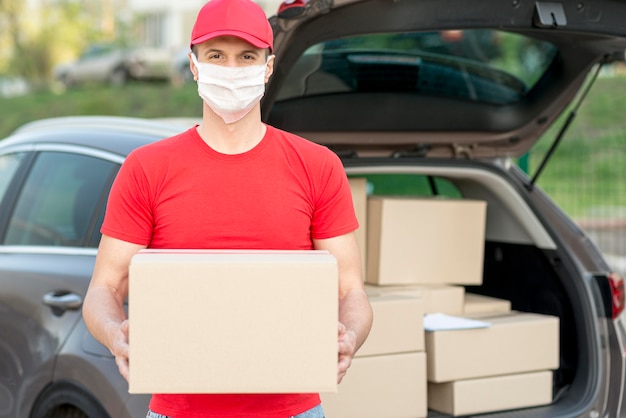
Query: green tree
{"x": 34, "y": 40}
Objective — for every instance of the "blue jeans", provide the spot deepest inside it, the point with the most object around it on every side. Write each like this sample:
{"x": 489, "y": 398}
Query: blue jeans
{"x": 316, "y": 412}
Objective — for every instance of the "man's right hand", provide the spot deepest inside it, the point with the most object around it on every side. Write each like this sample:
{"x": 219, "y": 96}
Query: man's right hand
{"x": 119, "y": 349}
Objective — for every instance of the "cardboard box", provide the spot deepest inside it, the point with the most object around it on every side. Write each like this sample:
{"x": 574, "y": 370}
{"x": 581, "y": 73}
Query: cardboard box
{"x": 425, "y": 241}
{"x": 233, "y": 322}
{"x": 388, "y": 386}
{"x": 514, "y": 343}
{"x": 358, "y": 186}
{"x": 446, "y": 299}
{"x": 491, "y": 394}
{"x": 397, "y": 327}
{"x": 476, "y": 305}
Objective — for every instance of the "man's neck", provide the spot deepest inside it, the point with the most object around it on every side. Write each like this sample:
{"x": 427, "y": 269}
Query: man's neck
{"x": 232, "y": 138}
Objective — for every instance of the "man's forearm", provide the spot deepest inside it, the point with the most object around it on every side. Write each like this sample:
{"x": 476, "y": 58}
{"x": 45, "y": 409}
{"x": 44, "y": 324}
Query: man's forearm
{"x": 102, "y": 314}
{"x": 355, "y": 313}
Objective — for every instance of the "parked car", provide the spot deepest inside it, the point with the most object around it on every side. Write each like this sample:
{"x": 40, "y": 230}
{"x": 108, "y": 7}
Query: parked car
{"x": 413, "y": 121}
{"x": 180, "y": 67}
{"x": 115, "y": 64}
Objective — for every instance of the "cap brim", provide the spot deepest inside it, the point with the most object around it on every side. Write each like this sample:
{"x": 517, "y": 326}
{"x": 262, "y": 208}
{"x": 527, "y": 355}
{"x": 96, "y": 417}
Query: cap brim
{"x": 245, "y": 36}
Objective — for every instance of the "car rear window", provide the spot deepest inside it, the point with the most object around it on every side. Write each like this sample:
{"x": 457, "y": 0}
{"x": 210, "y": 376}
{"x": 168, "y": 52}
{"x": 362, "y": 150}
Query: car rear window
{"x": 488, "y": 66}
{"x": 410, "y": 185}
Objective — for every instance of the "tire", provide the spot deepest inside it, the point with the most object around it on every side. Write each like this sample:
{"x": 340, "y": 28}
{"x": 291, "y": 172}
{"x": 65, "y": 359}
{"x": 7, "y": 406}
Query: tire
{"x": 186, "y": 74}
{"x": 65, "y": 400}
{"x": 118, "y": 77}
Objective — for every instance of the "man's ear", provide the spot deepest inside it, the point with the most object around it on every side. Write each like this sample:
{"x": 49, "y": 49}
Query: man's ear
{"x": 270, "y": 67}
{"x": 192, "y": 67}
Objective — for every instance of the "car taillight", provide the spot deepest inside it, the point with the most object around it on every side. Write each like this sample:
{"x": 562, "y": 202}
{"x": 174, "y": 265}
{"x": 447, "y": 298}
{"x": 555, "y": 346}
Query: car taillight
{"x": 616, "y": 283}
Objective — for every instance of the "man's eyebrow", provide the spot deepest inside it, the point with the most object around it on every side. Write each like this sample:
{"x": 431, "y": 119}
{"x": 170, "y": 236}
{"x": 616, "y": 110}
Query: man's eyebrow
{"x": 221, "y": 51}
{"x": 211, "y": 50}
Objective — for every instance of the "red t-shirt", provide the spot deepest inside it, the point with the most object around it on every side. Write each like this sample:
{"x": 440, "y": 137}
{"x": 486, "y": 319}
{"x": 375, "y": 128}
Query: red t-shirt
{"x": 180, "y": 193}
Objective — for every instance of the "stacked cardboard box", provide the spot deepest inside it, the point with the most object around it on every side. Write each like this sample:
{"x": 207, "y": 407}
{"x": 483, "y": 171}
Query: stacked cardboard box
{"x": 387, "y": 377}
{"x": 495, "y": 393}
{"x": 448, "y": 299}
{"x": 513, "y": 343}
{"x": 476, "y": 306}
{"x": 358, "y": 186}
{"x": 425, "y": 241}
{"x": 429, "y": 248}
{"x": 506, "y": 365}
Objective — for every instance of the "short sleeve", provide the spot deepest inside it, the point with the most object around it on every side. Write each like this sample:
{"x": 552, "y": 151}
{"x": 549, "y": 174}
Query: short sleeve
{"x": 129, "y": 214}
{"x": 334, "y": 213}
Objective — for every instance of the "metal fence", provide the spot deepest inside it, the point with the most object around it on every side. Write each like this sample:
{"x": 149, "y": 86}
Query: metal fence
{"x": 588, "y": 180}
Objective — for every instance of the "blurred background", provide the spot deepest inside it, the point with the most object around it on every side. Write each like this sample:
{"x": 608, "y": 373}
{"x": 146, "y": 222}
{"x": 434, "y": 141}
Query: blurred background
{"x": 129, "y": 58}
{"x": 71, "y": 42}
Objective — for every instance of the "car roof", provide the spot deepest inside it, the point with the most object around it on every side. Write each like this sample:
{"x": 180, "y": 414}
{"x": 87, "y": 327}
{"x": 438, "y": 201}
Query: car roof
{"x": 113, "y": 134}
{"x": 584, "y": 35}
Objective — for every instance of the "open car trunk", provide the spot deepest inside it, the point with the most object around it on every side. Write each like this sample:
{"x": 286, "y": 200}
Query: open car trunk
{"x": 525, "y": 263}
{"x": 432, "y": 98}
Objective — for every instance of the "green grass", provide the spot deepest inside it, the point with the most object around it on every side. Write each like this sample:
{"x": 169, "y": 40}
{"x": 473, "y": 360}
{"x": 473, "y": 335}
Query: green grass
{"x": 149, "y": 100}
{"x": 586, "y": 174}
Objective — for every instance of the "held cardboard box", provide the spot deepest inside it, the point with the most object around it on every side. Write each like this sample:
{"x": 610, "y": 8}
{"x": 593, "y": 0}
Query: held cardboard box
{"x": 233, "y": 321}
{"x": 387, "y": 386}
{"x": 358, "y": 186}
{"x": 446, "y": 299}
{"x": 514, "y": 343}
{"x": 491, "y": 394}
{"x": 398, "y": 325}
{"x": 476, "y": 305}
{"x": 425, "y": 241}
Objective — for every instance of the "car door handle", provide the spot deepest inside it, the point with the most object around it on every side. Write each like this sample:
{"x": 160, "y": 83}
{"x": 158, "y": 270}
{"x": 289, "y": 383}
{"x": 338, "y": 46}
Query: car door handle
{"x": 61, "y": 301}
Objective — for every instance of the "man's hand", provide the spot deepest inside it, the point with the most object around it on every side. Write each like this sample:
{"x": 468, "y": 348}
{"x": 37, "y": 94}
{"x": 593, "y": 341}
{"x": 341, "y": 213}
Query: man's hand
{"x": 346, "y": 349}
{"x": 103, "y": 308}
{"x": 119, "y": 349}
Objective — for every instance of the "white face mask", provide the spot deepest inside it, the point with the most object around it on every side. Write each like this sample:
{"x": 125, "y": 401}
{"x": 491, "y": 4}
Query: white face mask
{"x": 231, "y": 92}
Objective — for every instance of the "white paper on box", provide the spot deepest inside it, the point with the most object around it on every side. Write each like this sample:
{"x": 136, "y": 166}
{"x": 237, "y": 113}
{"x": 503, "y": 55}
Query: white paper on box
{"x": 443, "y": 322}
{"x": 233, "y": 322}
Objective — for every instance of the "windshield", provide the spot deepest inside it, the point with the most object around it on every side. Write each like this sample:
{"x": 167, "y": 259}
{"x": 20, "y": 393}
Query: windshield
{"x": 487, "y": 66}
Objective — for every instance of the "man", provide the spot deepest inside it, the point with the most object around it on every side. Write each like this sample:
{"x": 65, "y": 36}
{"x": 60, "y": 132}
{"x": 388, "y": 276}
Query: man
{"x": 231, "y": 182}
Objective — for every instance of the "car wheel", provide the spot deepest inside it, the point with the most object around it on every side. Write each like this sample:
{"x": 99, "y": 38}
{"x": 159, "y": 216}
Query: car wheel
{"x": 65, "y": 400}
{"x": 186, "y": 73}
{"x": 119, "y": 76}
{"x": 64, "y": 80}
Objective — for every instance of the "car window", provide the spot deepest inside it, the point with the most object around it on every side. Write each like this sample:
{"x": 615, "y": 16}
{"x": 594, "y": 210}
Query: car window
{"x": 8, "y": 166}
{"x": 489, "y": 66}
{"x": 415, "y": 185}
{"x": 62, "y": 196}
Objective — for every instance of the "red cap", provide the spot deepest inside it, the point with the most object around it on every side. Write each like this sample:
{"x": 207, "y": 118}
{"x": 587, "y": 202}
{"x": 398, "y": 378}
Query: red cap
{"x": 244, "y": 19}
